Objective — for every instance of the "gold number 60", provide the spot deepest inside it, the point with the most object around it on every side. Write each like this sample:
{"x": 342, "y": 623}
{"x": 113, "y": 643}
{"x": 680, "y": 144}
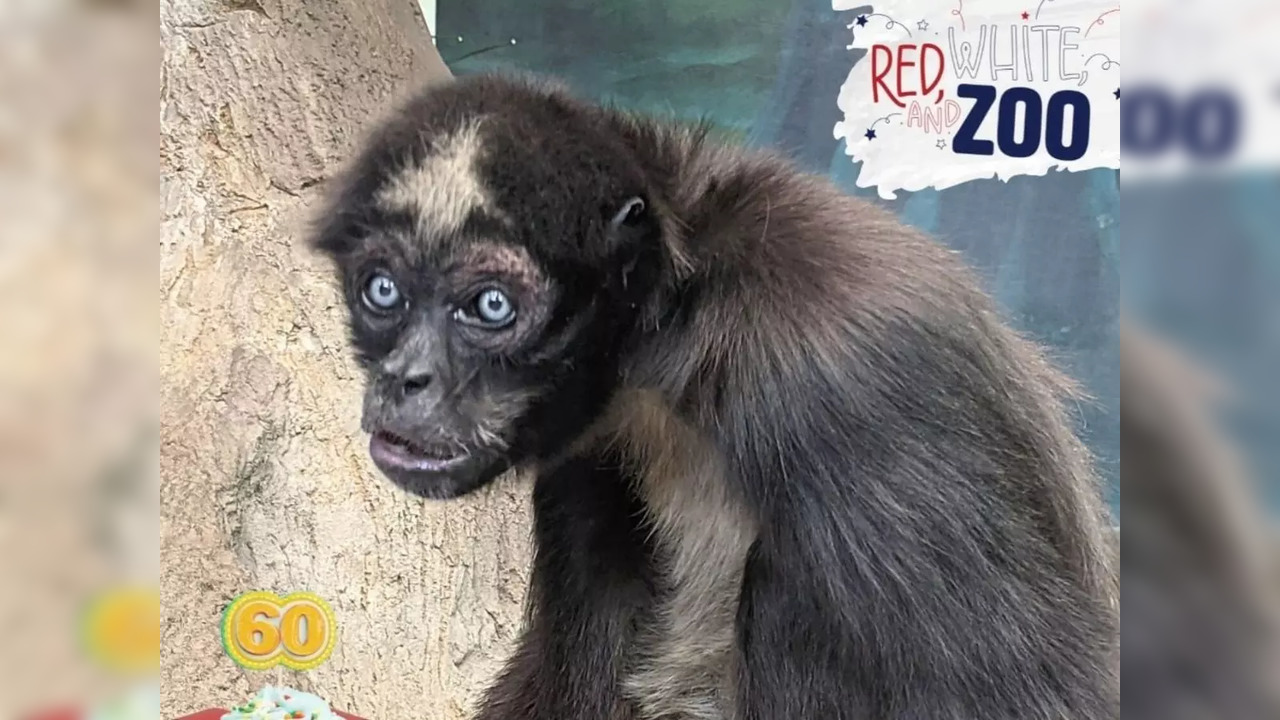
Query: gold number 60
{"x": 261, "y": 630}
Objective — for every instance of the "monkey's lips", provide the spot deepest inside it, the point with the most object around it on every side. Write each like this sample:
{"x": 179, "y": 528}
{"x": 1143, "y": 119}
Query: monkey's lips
{"x": 393, "y": 452}
{"x": 430, "y": 469}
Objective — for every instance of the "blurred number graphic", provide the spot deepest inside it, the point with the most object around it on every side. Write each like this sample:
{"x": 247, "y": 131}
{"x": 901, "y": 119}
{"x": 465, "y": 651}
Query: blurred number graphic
{"x": 121, "y": 629}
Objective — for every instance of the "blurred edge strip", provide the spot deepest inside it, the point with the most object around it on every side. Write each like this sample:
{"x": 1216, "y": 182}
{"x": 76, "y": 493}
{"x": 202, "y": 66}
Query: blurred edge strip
{"x": 210, "y": 714}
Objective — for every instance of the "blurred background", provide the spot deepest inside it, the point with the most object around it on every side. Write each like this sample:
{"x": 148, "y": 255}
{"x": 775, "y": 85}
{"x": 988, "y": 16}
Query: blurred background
{"x": 79, "y": 488}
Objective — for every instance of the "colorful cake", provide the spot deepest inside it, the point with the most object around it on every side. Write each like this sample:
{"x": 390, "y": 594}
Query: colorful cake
{"x": 273, "y": 703}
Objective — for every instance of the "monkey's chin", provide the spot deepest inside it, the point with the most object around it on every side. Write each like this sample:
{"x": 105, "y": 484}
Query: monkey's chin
{"x": 436, "y": 478}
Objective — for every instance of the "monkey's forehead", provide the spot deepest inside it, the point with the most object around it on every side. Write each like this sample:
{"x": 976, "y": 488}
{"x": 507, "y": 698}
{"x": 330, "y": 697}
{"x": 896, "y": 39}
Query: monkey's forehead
{"x": 442, "y": 187}
{"x": 522, "y": 155}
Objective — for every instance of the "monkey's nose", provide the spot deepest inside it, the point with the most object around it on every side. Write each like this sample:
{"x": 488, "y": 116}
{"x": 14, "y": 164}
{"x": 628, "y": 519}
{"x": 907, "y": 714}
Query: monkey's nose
{"x": 413, "y": 383}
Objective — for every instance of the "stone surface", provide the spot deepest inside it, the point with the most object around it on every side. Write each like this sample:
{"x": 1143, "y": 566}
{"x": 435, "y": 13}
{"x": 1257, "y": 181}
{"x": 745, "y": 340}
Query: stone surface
{"x": 265, "y": 479}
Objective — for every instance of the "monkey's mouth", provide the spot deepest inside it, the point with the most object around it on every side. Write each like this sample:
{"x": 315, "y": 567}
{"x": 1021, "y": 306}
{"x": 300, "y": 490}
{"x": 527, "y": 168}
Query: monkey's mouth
{"x": 395, "y": 452}
{"x": 431, "y": 468}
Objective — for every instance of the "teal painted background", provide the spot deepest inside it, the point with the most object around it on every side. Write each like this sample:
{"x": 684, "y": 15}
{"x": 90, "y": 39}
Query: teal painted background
{"x": 768, "y": 72}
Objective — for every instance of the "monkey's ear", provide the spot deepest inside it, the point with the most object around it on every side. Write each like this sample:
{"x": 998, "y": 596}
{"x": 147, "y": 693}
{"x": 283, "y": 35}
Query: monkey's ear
{"x": 630, "y": 214}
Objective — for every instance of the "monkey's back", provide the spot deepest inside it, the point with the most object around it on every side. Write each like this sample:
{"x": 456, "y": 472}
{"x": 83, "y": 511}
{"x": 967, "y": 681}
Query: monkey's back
{"x": 866, "y": 395}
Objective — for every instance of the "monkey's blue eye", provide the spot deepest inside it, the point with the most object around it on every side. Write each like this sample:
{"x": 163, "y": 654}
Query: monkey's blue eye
{"x": 494, "y": 307}
{"x": 490, "y": 309}
{"x": 381, "y": 293}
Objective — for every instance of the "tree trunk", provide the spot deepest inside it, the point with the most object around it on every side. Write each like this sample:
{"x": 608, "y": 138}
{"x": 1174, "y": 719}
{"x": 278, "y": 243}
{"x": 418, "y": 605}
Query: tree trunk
{"x": 266, "y": 484}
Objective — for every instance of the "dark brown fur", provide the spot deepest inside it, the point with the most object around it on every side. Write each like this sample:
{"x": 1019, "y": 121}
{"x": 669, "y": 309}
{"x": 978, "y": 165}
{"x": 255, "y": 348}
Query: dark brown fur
{"x": 791, "y": 464}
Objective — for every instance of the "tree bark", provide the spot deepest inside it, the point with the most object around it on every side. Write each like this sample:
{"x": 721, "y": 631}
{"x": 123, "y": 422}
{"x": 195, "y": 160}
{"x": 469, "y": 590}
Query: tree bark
{"x": 266, "y": 484}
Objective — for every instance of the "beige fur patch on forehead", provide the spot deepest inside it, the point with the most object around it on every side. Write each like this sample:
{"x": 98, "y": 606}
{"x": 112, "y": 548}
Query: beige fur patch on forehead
{"x": 444, "y": 188}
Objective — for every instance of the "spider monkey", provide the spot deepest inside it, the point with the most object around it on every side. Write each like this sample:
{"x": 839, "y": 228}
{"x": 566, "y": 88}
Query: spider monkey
{"x": 790, "y": 464}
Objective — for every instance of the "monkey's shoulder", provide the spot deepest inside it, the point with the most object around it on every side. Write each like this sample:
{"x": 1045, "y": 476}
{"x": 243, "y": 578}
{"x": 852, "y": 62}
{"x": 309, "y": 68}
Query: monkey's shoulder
{"x": 755, "y": 222}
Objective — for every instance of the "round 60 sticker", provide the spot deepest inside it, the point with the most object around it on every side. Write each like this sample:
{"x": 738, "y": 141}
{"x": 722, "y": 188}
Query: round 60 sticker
{"x": 261, "y": 630}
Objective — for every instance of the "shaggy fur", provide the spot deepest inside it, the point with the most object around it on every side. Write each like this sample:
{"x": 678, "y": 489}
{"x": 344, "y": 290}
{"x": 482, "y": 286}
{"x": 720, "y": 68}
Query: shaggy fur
{"x": 790, "y": 463}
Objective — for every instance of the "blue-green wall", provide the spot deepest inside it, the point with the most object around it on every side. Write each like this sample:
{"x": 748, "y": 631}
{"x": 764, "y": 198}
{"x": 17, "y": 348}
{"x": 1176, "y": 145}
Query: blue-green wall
{"x": 768, "y": 72}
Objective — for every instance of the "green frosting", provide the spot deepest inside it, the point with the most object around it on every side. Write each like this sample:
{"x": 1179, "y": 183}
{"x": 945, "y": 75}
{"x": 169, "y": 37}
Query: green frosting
{"x": 273, "y": 703}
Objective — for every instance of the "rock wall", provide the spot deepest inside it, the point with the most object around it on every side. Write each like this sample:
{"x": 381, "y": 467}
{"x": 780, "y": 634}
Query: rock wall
{"x": 265, "y": 480}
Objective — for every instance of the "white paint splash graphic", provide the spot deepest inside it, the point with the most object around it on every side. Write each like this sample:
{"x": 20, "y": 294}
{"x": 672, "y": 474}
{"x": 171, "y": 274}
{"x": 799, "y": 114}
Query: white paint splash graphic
{"x": 958, "y": 90}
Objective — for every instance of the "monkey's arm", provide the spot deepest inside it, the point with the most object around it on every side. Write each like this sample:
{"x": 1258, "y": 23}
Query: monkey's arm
{"x": 590, "y": 579}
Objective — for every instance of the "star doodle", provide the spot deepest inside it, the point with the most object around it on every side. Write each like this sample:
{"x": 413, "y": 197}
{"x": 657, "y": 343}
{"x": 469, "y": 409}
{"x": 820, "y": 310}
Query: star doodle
{"x": 922, "y": 25}
{"x": 1117, "y": 93}
{"x": 862, "y": 21}
{"x": 941, "y": 144}
{"x": 870, "y": 134}
{"x": 1026, "y": 15}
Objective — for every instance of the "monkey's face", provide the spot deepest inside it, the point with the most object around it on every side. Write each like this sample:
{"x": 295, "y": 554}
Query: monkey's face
{"x": 451, "y": 349}
{"x": 490, "y": 268}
